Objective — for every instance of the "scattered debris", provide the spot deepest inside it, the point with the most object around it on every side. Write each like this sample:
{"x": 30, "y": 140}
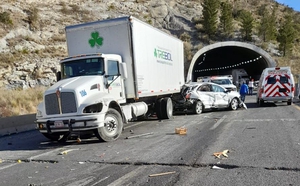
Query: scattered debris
{"x": 19, "y": 161}
{"x": 216, "y": 167}
{"x": 244, "y": 106}
{"x": 66, "y": 151}
{"x": 219, "y": 154}
{"x": 102, "y": 155}
{"x": 78, "y": 140}
{"x": 136, "y": 136}
{"x": 161, "y": 174}
{"x": 181, "y": 130}
{"x": 81, "y": 162}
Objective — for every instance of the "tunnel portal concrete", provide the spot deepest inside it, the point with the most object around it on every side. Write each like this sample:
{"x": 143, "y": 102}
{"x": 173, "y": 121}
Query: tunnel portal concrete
{"x": 220, "y": 58}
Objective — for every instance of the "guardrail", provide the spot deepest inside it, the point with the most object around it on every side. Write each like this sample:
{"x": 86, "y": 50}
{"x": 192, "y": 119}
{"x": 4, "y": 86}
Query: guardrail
{"x": 17, "y": 124}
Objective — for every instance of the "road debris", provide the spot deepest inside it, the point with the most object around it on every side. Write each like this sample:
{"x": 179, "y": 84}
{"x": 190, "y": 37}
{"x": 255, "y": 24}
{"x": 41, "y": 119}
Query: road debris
{"x": 66, "y": 151}
{"x": 180, "y": 130}
{"x": 140, "y": 135}
{"x": 162, "y": 174}
{"x": 19, "y": 161}
{"x": 216, "y": 167}
{"x": 219, "y": 154}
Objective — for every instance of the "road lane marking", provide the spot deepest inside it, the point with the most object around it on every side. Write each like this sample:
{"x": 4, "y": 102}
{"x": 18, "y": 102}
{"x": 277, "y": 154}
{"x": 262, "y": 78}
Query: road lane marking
{"x": 263, "y": 120}
{"x": 121, "y": 180}
{"x": 139, "y": 123}
{"x": 218, "y": 122}
{"x": 296, "y": 106}
{"x": 97, "y": 183}
{"x": 8, "y": 166}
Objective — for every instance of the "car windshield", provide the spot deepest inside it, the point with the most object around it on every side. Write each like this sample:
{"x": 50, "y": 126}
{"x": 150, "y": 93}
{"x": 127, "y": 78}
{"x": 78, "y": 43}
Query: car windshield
{"x": 82, "y": 67}
{"x": 221, "y": 81}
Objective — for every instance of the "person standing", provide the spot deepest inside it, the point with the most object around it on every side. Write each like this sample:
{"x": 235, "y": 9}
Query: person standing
{"x": 251, "y": 86}
{"x": 243, "y": 91}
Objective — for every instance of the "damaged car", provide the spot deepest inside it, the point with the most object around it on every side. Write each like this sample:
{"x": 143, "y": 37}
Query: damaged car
{"x": 199, "y": 96}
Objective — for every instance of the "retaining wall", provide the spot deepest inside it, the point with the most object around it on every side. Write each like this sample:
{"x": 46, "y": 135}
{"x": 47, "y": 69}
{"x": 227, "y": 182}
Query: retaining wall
{"x": 16, "y": 124}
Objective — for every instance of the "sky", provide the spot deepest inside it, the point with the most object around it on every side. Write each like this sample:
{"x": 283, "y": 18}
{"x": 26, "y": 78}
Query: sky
{"x": 295, "y": 4}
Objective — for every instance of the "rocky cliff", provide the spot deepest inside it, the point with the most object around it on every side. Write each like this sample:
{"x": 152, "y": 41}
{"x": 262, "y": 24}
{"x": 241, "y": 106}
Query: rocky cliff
{"x": 32, "y": 39}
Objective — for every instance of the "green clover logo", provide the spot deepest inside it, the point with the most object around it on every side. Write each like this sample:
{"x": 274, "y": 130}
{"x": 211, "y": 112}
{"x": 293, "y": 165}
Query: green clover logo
{"x": 95, "y": 40}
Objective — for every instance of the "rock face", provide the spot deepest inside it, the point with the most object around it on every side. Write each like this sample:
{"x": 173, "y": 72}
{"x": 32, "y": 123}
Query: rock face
{"x": 31, "y": 47}
{"x": 32, "y": 38}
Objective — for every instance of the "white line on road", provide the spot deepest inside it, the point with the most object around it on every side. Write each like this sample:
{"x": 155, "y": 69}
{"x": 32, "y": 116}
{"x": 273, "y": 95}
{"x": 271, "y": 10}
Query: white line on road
{"x": 7, "y": 166}
{"x": 264, "y": 120}
{"x": 218, "y": 122}
{"x": 121, "y": 180}
{"x": 139, "y": 123}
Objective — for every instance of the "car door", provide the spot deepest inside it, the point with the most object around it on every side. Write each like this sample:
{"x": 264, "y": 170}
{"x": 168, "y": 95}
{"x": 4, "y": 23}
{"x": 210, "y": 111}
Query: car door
{"x": 221, "y": 98}
{"x": 205, "y": 94}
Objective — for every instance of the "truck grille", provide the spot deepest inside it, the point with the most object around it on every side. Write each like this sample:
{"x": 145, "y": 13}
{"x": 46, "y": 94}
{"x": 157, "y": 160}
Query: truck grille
{"x": 68, "y": 103}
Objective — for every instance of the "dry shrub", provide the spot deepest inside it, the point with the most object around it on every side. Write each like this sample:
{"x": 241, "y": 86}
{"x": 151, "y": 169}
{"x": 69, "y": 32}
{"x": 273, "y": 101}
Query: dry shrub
{"x": 20, "y": 102}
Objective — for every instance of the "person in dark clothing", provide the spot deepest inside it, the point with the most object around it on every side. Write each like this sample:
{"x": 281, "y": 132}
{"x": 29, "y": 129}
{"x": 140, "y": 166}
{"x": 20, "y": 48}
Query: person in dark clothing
{"x": 244, "y": 91}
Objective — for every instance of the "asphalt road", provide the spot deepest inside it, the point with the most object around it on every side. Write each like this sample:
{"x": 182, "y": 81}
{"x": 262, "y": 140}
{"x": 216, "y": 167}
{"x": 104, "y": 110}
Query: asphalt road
{"x": 263, "y": 145}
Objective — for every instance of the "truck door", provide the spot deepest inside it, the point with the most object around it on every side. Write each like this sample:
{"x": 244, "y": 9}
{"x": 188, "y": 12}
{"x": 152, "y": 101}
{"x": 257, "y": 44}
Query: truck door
{"x": 114, "y": 80}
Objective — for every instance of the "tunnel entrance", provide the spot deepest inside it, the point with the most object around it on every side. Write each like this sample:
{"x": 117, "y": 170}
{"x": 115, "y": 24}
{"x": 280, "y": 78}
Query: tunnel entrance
{"x": 221, "y": 58}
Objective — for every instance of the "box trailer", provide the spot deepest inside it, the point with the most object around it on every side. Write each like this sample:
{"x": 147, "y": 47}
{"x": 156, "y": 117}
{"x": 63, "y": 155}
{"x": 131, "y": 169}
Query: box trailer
{"x": 117, "y": 70}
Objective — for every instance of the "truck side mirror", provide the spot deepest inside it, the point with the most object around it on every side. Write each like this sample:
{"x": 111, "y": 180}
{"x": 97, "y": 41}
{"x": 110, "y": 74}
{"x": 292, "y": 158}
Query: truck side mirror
{"x": 123, "y": 69}
{"x": 58, "y": 75}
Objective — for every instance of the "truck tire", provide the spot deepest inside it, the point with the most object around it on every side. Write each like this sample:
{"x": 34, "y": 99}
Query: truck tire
{"x": 166, "y": 108}
{"x": 197, "y": 107}
{"x": 158, "y": 106}
{"x": 113, "y": 126}
{"x": 234, "y": 104}
{"x": 289, "y": 102}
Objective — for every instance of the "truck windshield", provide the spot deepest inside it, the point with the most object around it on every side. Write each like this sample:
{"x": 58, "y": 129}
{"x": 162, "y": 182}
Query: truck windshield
{"x": 82, "y": 67}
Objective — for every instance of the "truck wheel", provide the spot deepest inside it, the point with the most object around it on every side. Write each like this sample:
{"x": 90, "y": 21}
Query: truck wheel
{"x": 158, "y": 107}
{"x": 289, "y": 102}
{"x": 166, "y": 108}
{"x": 113, "y": 126}
{"x": 197, "y": 107}
{"x": 234, "y": 104}
{"x": 57, "y": 137}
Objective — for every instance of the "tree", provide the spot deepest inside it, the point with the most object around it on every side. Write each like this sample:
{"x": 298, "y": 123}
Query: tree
{"x": 210, "y": 16}
{"x": 287, "y": 35}
{"x": 247, "y": 25}
{"x": 226, "y": 18}
{"x": 267, "y": 28}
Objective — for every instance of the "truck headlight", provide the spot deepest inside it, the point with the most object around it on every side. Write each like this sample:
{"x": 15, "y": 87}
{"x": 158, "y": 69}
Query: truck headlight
{"x": 39, "y": 114}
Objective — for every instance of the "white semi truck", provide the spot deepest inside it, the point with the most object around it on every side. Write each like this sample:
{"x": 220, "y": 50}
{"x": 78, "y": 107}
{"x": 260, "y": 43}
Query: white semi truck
{"x": 117, "y": 70}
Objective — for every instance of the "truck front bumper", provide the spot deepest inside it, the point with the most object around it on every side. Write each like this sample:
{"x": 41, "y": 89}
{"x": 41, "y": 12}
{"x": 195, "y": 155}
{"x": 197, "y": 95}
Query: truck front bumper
{"x": 70, "y": 124}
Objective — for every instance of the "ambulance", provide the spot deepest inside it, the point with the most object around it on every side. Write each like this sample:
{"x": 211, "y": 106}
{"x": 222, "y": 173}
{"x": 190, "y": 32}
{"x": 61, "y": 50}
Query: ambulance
{"x": 276, "y": 84}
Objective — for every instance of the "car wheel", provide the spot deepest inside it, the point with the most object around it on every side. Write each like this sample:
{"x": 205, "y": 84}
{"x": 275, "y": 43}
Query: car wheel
{"x": 197, "y": 107}
{"x": 234, "y": 104}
